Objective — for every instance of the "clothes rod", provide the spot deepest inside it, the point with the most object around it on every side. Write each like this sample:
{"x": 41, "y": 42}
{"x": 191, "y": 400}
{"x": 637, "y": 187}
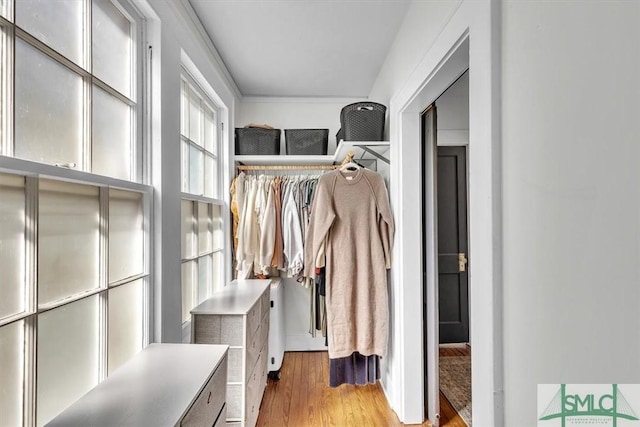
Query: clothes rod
{"x": 285, "y": 167}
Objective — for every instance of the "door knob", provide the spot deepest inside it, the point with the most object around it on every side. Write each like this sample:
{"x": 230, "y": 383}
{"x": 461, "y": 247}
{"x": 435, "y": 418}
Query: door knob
{"x": 462, "y": 262}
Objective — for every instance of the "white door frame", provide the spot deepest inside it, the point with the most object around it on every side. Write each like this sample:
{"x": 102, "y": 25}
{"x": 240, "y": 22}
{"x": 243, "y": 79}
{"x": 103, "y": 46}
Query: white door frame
{"x": 471, "y": 39}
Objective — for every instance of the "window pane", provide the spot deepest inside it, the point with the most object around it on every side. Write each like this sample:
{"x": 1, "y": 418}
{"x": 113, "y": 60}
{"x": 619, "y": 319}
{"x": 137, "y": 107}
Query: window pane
{"x": 205, "y": 264}
{"x": 184, "y": 153}
{"x": 195, "y": 117}
{"x": 125, "y": 323}
{"x": 218, "y": 233}
{"x": 112, "y": 46}
{"x": 205, "y": 228}
{"x": 216, "y": 271}
{"x": 184, "y": 109}
{"x": 189, "y": 281}
{"x": 5, "y": 11}
{"x": 12, "y": 245}
{"x": 6, "y": 109}
{"x": 48, "y": 109}
{"x": 126, "y": 235}
{"x": 210, "y": 175}
{"x": 210, "y": 137}
{"x": 68, "y": 240}
{"x": 11, "y": 373}
{"x": 59, "y": 24}
{"x": 68, "y": 359}
{"x": 196, "y": 169}
{"x": 111, "y": 154}
{"x": 189, "y": 237}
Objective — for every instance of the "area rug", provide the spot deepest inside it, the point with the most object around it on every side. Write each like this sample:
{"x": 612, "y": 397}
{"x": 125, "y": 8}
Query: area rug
{"x": 455, "y": 384}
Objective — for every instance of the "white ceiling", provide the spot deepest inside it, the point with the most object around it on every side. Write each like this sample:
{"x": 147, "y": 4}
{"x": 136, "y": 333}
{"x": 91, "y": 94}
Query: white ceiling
{"x": 302, "y": 48}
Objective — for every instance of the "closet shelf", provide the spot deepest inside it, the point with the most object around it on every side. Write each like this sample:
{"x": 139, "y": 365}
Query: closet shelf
{"x": 285, "y": 160}
{"x": 362, "y": 149}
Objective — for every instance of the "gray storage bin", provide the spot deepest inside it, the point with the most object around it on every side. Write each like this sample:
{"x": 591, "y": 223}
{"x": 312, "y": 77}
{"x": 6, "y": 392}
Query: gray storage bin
{"x": 362, "y": 121}
{"x": 257, "y": 141}
{"x": 306, "y": 141}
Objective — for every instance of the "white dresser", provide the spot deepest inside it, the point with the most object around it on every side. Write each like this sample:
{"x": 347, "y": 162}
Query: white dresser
{"x": 238, "y": 316}
{"x": 163, "y": 385}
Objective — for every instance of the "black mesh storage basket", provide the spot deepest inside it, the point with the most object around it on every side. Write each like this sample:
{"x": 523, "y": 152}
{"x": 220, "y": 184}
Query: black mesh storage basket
{"x": 362, "y": 121}
{"x": 257, "y": 141}
{"x": 306, "y": 141}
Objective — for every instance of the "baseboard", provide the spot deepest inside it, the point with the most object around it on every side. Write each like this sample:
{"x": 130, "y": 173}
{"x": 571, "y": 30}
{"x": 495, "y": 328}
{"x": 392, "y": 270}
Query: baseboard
{"x": 455, "y": 345}
{"x": 304, "y": 342}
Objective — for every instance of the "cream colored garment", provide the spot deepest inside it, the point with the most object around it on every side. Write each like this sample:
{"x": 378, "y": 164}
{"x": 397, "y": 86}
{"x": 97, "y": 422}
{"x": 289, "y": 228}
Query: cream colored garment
{"x": 248, "y": 241}
{"x": 241, "y": 183}
{"x": 259, "y": 206}
{"x": 267, "y": 229}
{"x": 352, "y": 216}
{"x": 291, "y": 233}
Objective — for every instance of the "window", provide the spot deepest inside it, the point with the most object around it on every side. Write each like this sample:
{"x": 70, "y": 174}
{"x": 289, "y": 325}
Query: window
{"x": 74, "y": 305}
{"x": 74, "y": 248}
{"x": 75, "y": 99}
{"x": 202, "y": 241}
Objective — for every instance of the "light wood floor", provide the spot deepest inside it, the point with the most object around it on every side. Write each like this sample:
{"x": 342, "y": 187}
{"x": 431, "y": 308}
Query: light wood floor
{"x": 302, "y": 398}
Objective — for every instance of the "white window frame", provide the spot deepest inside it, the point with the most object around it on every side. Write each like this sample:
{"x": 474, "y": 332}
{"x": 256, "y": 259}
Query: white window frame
{"x": 218, "y": 274}
{"x": 34, "y": 171}
{"x": 138, "y": 172}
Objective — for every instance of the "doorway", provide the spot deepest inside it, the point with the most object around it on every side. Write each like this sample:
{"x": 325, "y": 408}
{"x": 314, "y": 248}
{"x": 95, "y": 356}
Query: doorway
{"x": 450, "y": 56}
{"x": 445, "y": 243}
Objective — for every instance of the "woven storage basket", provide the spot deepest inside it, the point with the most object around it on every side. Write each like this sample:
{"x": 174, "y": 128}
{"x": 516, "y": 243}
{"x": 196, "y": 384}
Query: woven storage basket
{"x": 362, "y": 121}
{"x": 257, "y": 141}
{"x": 306, "y": 141}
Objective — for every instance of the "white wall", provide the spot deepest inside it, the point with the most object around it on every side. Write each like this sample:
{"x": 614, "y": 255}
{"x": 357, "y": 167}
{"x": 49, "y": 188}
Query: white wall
{"x": 571, "y": 123}
{"x": 423, "y": 24}
{"x": 173, "y": 37}
{"x": 295, "y": 113}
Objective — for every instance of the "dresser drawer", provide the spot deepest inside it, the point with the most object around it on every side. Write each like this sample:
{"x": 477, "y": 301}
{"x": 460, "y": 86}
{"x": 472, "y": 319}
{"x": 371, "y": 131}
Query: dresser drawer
{"x": 265, "y": 304}
{"x": 264, "y": 329}
{"x": 209, "y": 403}
{"x": 257, "y": 382}
{"x": 253, "y": 319}
{"x": 253, "y": 349}
{"x": 222, "y": 418}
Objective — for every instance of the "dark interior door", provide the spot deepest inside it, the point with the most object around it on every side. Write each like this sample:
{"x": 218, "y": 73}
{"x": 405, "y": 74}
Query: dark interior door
{"x": 453, "y": 277}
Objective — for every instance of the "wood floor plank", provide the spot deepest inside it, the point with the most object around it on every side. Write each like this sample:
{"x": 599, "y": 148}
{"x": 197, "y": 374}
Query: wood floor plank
{"x": 303, "y": 398}
{"x": 299, "y": 394}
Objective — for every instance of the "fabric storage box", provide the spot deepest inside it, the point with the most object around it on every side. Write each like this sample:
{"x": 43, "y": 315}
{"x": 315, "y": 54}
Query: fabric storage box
{"x": 362, "y": 121}
{"x": 257, "y": 141}
{"x": 306, "y": 141}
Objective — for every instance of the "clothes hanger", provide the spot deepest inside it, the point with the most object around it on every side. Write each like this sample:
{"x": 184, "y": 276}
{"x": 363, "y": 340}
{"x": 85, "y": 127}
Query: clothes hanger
{"x": 348, "y": 164}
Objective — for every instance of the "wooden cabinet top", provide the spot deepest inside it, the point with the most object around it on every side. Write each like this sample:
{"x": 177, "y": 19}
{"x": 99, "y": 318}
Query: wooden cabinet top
{"x": 236, "y": 298}
{"x": 155, "y": 388}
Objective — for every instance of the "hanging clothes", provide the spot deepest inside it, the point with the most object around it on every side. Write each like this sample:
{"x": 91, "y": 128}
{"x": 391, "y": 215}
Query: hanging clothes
{"x": 248, "y": 232}
{"x": 267, "y": 222}
{"x": 352, "y": 217}
{"x": 355, "y": 369}
{"x": 273, "y": 215}
{"x": 276, "y": 261}
{"x": 292, "y": 232}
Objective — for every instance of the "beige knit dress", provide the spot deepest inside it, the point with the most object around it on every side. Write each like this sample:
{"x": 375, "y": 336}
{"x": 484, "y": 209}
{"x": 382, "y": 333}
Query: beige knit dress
{"x": 352, "y": 217}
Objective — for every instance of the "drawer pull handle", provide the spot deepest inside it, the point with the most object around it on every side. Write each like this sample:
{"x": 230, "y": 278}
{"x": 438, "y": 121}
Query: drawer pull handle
{"x": 209, "y": 398}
